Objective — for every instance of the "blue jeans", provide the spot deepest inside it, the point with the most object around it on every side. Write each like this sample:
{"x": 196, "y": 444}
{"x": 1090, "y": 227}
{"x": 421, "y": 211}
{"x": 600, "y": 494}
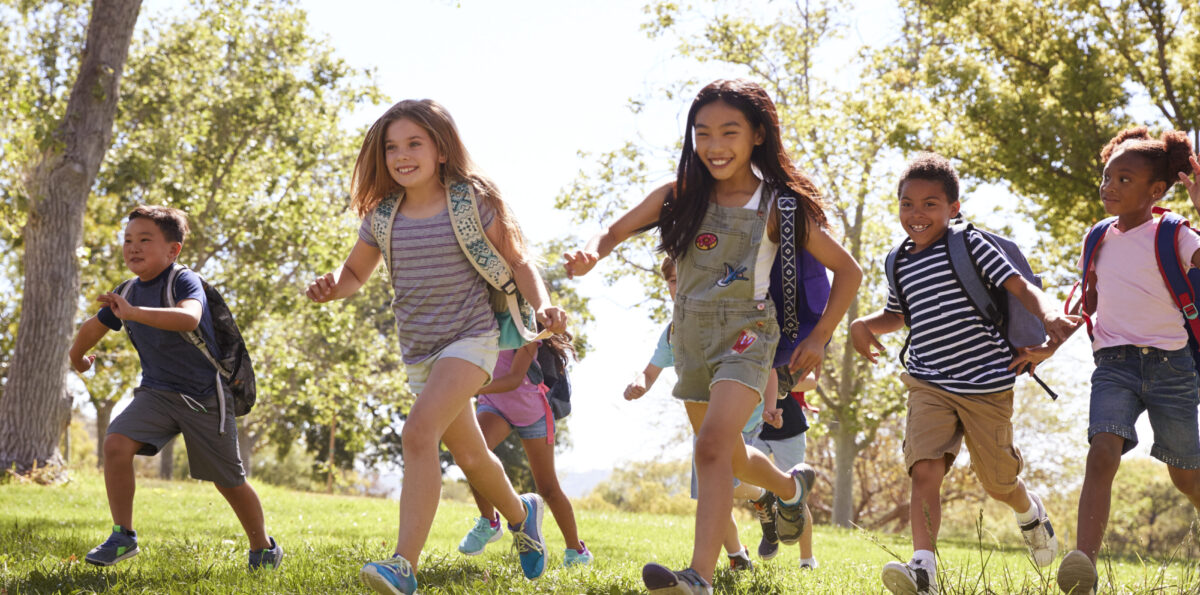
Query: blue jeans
{"x": 1129, "y": 380}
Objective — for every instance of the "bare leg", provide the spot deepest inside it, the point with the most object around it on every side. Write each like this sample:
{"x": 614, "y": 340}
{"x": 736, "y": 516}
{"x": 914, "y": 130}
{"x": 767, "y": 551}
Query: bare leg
{"x": 119, "y": 480}
{"x": 806, "y": 535}
{"x": 244, "y": 501}
{"x": 1188, "y": 482}
{"x": 733, "y": 543}
{"x": 541, "y": 462}
{"x": 925, "y": 508}
{"x": 1095, "y": 498}
{"x": 482, "y": 468}
{"x": 495, "y": 430}
{"x": 444, "y": 400}
{"x": 1018, "y": 499}
{"x": 718, "y": 426}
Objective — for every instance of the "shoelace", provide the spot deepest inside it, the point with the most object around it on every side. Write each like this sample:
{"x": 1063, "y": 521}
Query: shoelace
{"x": 481, "y": 525}
{"x": 524, "y": 543}
{"x": 399, "y": 565}
{"x": 763, "y": 513}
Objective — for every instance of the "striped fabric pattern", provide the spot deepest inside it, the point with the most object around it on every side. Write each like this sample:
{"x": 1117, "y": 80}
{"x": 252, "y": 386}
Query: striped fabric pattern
{"x": 439, "y": 297}
{"x": 951, "y": 345}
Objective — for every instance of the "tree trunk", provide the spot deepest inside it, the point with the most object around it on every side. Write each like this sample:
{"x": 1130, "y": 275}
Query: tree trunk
{"x": 166, "y": 462}
{"x": 845, "y": 448}
{"x": 35, "y": 401}
{"x": 104, "y": 411}
{"x": 332, "y": 445}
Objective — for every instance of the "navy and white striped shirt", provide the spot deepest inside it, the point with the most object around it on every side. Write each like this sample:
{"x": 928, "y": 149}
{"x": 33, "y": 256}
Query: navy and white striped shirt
{"x": 952, "y": 346}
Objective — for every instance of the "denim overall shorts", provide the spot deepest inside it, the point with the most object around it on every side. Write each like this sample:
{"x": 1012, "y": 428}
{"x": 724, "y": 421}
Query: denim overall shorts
{"x": 719, "y": 331}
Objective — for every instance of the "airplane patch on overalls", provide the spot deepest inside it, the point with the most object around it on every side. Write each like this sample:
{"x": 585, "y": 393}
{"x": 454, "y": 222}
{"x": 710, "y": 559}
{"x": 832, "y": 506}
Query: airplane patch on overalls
{"x": 731, "y": 275}
{"x": 744, "y": 341}
{"x": 706, "y": 241}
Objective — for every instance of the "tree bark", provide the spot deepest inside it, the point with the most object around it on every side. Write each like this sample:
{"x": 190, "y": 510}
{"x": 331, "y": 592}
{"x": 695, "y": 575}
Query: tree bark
{"x": 34, "y": 404}
{"x": 104, "y": 411}
{"x": 166, "y": 461}
{"x": 845, "y": 448}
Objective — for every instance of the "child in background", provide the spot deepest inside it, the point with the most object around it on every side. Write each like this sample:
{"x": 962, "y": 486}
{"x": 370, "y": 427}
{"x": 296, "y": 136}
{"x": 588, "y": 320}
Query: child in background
{"x": 959, "y": 371}
{"x": 181, "y": 391}
{"x": 445, "y": 322}
{"x": 1139, "y": 342}
{"x": 511, "y": 402}
{"x": 720, "y": 222}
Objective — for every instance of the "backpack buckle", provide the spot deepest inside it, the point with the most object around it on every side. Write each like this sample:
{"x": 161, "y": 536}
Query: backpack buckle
{"x": 786, "y": 203}
{"x": 509, "y": 286}
{"x": 1189, "y": 311}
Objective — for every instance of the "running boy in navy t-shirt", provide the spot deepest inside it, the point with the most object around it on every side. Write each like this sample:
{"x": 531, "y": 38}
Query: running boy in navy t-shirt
{"x": 179, "y": 391}
{"x": 960, "y": 371}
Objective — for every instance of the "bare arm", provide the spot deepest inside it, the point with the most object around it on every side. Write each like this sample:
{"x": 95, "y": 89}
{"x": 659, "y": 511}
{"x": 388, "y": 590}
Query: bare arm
{"x": 185, "y": 316}
{"x": 509, "y": 381}
{"x": 89, "y": 334}
{"x": 1059, "y": 326}
{"x": 578, "y": 263}
{"x": 642, "y": 382}
{"x": 348, "y": 278}
{"x": 529, "y": 281}
{"x": 864, "y": 330}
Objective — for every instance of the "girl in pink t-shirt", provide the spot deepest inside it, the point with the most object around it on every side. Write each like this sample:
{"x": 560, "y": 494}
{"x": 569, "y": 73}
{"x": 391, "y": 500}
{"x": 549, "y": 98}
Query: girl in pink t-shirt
{"x": 511, "y": 401}
{"x": 1140, "y": 345}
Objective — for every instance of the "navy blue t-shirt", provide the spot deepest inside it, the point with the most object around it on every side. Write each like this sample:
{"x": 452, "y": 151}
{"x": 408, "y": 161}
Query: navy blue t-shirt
{"x": 794, "y": 421}
{"x": 169, "y": 362}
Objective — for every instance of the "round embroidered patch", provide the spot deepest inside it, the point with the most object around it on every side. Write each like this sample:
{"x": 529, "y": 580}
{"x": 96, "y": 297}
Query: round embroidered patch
{"x": 706, "y": 241}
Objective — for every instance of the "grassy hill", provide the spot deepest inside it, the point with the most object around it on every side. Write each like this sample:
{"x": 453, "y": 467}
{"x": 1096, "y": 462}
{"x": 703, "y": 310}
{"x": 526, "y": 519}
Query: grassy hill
{"x": 191, "y": 543}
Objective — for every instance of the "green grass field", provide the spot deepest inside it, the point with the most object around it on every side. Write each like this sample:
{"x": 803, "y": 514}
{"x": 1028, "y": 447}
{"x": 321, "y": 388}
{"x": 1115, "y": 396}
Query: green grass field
{"x": 191, "y": 543}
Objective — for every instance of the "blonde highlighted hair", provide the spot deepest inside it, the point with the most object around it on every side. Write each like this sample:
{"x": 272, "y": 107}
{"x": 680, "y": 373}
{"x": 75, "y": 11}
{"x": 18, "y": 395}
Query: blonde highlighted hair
{"x": 371, "y": 182}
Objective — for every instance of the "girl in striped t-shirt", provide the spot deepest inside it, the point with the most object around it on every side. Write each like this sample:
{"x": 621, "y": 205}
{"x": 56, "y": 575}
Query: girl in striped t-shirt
{"x": 448, "y": 333}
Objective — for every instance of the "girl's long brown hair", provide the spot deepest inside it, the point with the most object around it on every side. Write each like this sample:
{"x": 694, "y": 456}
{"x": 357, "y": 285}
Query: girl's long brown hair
{"x": 684, "y": 208}
{"x": 371, "y": 182}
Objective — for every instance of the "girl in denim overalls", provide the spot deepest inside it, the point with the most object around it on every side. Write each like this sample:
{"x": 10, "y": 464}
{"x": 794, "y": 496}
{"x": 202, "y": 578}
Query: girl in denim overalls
{"x": 719, "y": 221}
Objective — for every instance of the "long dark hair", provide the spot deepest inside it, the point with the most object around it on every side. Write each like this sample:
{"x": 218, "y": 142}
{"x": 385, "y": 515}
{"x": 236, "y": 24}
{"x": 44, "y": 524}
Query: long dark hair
{"x": 684, "y": 208}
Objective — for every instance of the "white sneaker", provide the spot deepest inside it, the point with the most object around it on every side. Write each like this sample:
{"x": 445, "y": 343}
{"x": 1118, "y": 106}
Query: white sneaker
{"x": 1039, "y": 535}
{"x": 808, "y": 563}
{"x": 909, "y": 579}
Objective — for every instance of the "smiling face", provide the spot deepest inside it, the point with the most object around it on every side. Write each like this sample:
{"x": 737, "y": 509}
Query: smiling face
{"x": 724, "y": 140}
{"x": 925, "y": 211}
{"x": 146, "y": 250}
{"x": 411, "y": 155}
{"x": 1128, "y": 190}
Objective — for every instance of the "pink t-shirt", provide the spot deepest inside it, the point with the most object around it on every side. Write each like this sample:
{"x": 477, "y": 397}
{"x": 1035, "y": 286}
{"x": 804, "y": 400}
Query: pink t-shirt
{"x": 520, "y": 406}
{"x": 1133, "y": 305}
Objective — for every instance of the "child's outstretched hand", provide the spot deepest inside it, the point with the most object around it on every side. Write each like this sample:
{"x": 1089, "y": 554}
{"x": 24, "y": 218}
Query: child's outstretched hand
{"x": 83, "y": 364}
{"x": 119, "y": 306}
{"x": 864, "y": 341}
{"x": 637, "y": 388}
{"x": 553, "y": 319}
{"x": 807, "y": 356}
{"x": 1060, "y": 327}
{"x": 774, "y": 417}
{"x": 580, "y": 262}
{"x": 1193, "y": 183}
{"x": 1028, "y": 358}
{"x": 321, "y": 289}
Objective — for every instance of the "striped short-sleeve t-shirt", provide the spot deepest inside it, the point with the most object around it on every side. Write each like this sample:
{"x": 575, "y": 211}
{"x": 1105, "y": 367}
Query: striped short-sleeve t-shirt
{"x": 439, "y": 296}
{"x": 951, "y": 345}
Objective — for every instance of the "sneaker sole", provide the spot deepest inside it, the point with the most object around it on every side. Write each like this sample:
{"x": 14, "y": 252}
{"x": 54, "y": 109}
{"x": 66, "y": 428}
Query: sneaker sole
{"x": 660, "y": 580}
{"x": 769, "y": 555}
{"x": 372, "y": 580}
{"x": 897, "y": 582}
{"x": 1076, "y": 575}
{"x": 540, "y": 510}
{"x": 127, "y": 556}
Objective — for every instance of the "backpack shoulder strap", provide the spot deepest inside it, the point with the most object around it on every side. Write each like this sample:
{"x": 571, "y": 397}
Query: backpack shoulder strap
{"x": 382, "y": 219}
{"x": 195, "y": 337}
{"x": 788, "y": 259}
{"x": 468, "y": 229}
{"x": 966, "y": 270}
{"x": 889, "y": 266}
{"x": 1091, "y": 244}
{"x": 1174, "y": 272}
{"x": 123, "y": 290}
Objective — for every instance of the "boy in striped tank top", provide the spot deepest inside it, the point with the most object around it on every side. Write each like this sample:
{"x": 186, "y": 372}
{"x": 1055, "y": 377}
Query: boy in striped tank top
{"x": 960, "y": 371}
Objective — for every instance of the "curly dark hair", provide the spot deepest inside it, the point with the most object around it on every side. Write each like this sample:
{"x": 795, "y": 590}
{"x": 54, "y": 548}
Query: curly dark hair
{"x": 685, "y": 206}
{"x": 1167, "y": 155}
{"x": 173, "y": 222}
{"x": 934, "y": 168}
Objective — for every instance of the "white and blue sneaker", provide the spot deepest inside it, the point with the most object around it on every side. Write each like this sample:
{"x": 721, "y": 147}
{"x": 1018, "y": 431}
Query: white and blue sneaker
{"x": 393, "y": 576}
{"x": 913, "y": 578}
{"x": 120, "y": 545}
{"x": 483, "y": 533}
{"x": 269, "y": 558}
{"x": 527, "y": 538}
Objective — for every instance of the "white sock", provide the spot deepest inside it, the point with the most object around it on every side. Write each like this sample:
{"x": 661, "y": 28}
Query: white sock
{"x": 799, "y": 492}
{"x": 925, "y": 559}
{"x": 809, "y": 562}
{"x": 758, "y": 494}
{"x": 1029, "y": 515}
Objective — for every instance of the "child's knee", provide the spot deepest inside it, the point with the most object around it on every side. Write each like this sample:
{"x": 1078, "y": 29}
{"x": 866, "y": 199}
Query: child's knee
{"x": 928, "y": 472}
{"x": 417, "y": 438}
{"x": 118, "y": 448}
{"x": 1104, "y": 454}
{"x": 1186, "y": 481}
{"x": 710, "y": 452}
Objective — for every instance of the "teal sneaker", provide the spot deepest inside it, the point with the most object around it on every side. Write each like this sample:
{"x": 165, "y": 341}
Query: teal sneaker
{"x": 393, "y": 576}
{"x": 577, "y": 557}
{"x": 483, "y": 533}
{"x": 121, "y": 545}
{"x": 527, "y": 538}
{"x": 269, "y": 558}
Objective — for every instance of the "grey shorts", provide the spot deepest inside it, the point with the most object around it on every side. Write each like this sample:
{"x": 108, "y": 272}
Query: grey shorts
{"x": 156, "y": 416}
{"x": 481, "y": 351}
{"x": 788, "y": 452}
{"x": 722, "y": 340}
